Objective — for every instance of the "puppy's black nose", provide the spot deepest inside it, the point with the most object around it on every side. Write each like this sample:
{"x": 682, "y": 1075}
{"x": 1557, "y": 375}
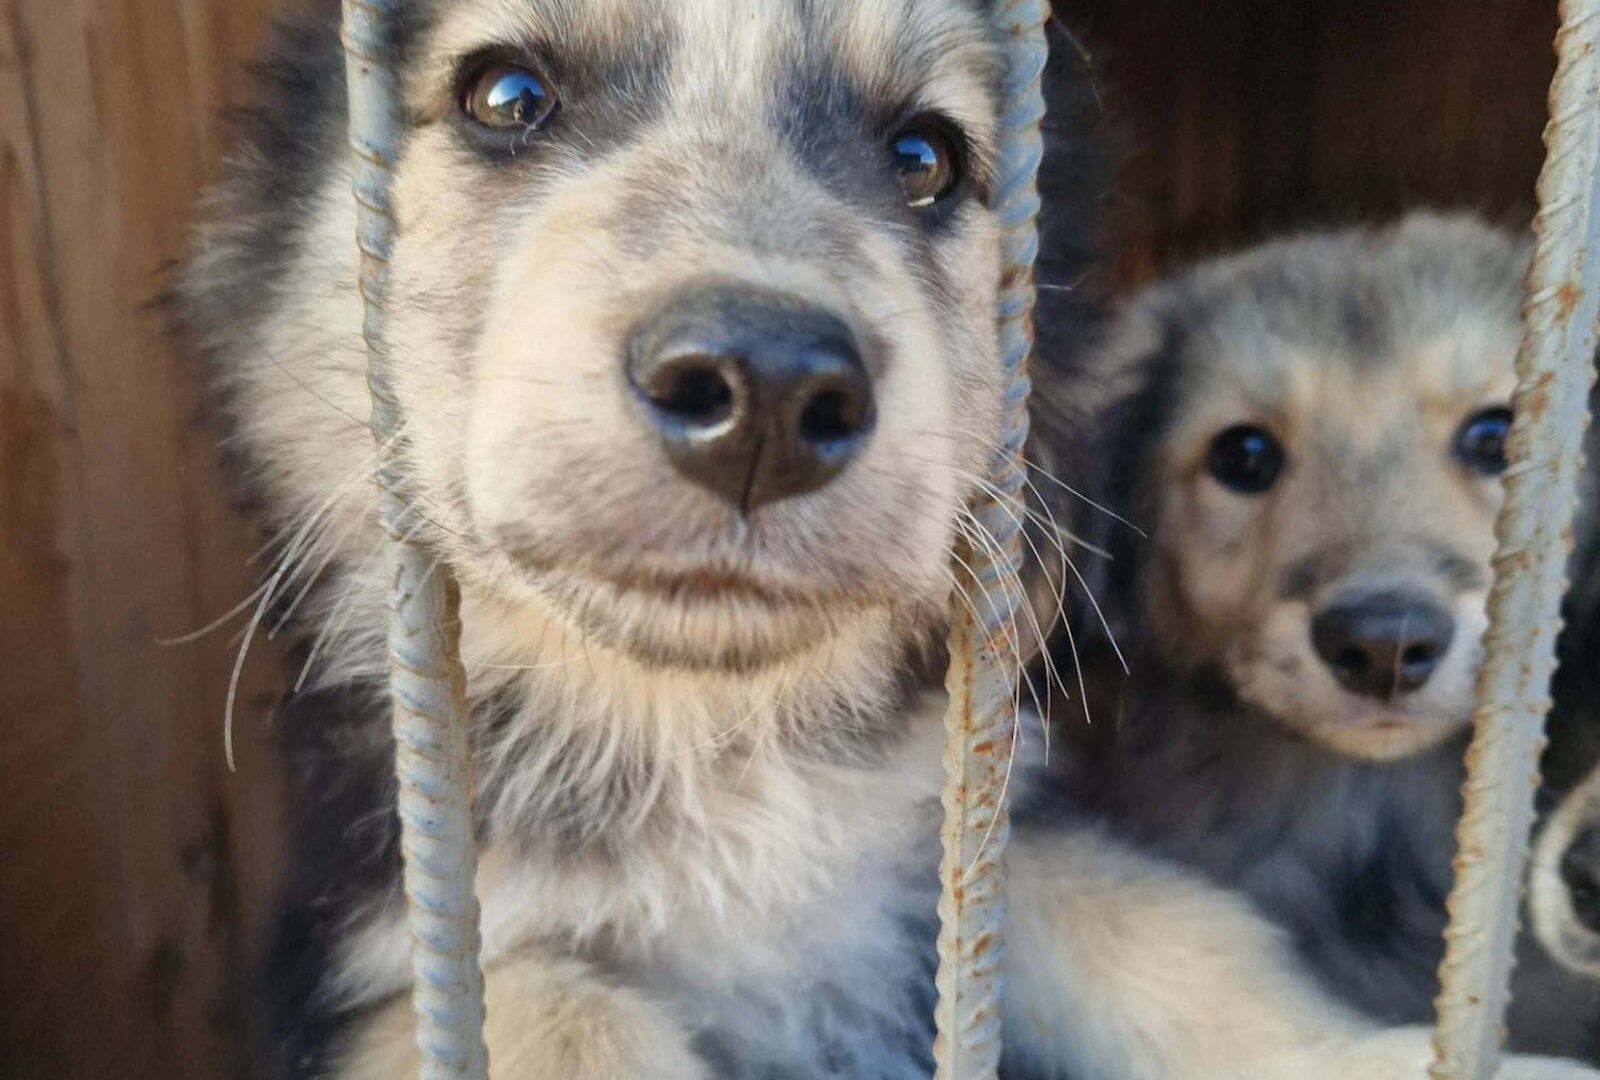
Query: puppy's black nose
{"x": 755, "y": 395}
{"x": 1580, "y": 871}
{"x": 1382, "y": 645}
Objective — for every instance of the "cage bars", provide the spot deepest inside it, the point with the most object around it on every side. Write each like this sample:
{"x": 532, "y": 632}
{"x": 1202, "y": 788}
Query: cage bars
{"x": 1554, "y": 373}
{"x": 427, "y": 685}
{"x": 981, "y": 723}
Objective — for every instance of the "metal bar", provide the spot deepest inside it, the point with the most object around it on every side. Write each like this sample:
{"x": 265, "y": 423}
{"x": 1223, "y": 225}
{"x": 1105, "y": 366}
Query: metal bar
{"x": 433, "y": 744}
{"x": 1555, "y": 372}
{"x": 984, "y": 674}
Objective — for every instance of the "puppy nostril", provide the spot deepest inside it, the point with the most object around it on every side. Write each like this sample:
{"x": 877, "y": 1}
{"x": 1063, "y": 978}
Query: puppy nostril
{"x": 697, "y": 394}
{"x": 1351, "y": 659}
{"x": 832, "y": 415}
{"x": 1421, "y": 653}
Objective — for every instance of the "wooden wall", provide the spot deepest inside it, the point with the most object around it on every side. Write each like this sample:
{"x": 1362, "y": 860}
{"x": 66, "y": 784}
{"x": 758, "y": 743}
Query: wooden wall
{"x": 131, "y": 864}
{"x": 134, "y": 869}
{"x": 1240, "y": 117}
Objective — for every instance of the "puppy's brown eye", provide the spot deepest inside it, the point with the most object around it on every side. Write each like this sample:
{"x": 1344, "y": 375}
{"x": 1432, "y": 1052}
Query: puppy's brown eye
{"x": 1481, "y": 442}
{"x": 929, "y": 163}
{"x": 509, "y": 98}
{"x": 1246, "y": 459}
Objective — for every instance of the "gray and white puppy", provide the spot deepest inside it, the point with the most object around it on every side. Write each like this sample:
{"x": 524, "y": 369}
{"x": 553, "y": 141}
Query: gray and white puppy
{"x": 693, "y": 331}
{"x": 1311, "y": 433}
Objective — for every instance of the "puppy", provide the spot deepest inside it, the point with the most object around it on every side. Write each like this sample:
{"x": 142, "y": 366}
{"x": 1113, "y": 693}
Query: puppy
{"x": 693, "y": 328}
{"x": 1311, "y": 435}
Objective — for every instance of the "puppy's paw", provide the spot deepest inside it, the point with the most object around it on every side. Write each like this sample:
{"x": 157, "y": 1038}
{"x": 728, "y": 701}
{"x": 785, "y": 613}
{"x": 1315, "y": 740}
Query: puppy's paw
{"x": 548, "y": 1017}
{"x": 1405, "y": 1054}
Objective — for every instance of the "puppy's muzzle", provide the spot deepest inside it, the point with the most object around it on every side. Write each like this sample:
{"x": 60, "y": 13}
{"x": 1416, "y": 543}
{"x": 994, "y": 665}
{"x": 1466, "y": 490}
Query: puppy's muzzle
{"x": 1382, "y": 645}
{"x": 754, "y": 395}
{"x": 1580, "y": 872}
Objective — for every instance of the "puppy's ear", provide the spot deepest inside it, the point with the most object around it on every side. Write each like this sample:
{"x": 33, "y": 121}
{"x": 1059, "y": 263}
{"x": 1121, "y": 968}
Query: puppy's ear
{"x": 1123, "y": 400}
{"x": 1071, "y": 314}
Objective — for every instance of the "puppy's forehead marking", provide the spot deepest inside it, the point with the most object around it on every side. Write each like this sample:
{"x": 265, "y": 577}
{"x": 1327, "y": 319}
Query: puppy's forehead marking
{"x": 926, "y": 53}
{"x": 763, "y": 122}
{"x": 1403, "y": 376}
{"x": 599, "y": 39}
{"x": 1474, "y": 364}
{"x": 938, "y": 52}
{"x": 586, "y": 25}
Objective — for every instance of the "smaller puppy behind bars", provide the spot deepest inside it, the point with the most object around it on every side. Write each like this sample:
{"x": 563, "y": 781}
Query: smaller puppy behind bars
{"x": 1310, "y": 435}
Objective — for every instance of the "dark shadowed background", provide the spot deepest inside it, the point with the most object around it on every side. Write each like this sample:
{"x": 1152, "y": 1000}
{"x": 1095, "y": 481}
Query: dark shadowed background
{"x": 135, "y": 871}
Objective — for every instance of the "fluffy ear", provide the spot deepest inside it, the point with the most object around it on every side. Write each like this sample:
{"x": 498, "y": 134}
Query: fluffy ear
{"x": 1122, "y": 399}
{"x": 1072, "y": 303}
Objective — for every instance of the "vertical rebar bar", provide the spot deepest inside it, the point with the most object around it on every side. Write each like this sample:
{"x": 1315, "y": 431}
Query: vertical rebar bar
{"x": 1555, "y": 373}
{"x": 428, "y": 687}
{"x": 984, "y": 671}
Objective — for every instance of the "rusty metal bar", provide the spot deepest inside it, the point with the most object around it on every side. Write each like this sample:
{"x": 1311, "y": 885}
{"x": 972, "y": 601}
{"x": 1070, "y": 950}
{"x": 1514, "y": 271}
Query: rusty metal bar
{"x": 428, "y": 687}
{"x": 984, "y": 671}
{"x": 1555, "y": 373}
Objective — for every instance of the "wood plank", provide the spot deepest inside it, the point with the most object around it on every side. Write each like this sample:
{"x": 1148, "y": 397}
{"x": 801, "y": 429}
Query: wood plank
{"x": 55, "y": 874}
{"x": 1251, "y": 116}
{"x": 139, "y": 974}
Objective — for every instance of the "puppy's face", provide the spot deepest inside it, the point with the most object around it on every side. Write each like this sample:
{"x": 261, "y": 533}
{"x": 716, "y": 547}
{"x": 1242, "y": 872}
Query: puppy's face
{"x": 694, "y": 310}
{"x": 1322, "y": 491}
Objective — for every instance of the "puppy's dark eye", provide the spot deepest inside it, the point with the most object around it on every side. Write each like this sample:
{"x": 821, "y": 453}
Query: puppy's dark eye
{"x": 508, "y": 98}
{"x": 1481, "y": 442}
{"x": 928, "y": 160}
{"x": 1246, "y": 459}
